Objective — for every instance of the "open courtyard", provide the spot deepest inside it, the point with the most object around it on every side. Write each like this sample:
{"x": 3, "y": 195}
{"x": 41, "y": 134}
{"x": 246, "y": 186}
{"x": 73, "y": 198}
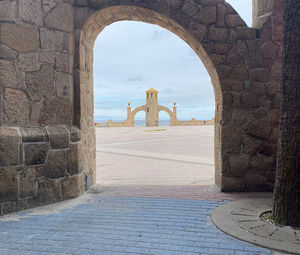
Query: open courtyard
{"x": 138, "y": 156}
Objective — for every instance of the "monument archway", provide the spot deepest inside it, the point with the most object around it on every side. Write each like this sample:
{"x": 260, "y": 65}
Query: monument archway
{"x": 47, "y": 137}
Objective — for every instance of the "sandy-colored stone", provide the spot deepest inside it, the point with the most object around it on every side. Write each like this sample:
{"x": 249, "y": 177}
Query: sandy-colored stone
{"x": 75, "y": 134}
{"x": 8, "y": 75}
{"x": 35, "y": 112}
{"x": 34, "y": 134}
{"x": 28, "y": 62}
{"x": 35, "y": 154}
{"x": 9, "y": 146}
{"x": 8, "y": 183}
{"x": 64, "y": 62}
{"x": 70, "y": 187}
{"x": 27, "y": 183}
{"x": 40, "y": 84}
{"x": 47, "y": 57}
{"x": 30, "y": 11}
{"x": 50, "y": 39}
{"x": 8, "y": 10}
{"x": 59, "y": 137}
{"x": 63, "y": 84}
{"x": 56, "y": 111}
{"x": 48, "y": 5}
{"x": 74, "y": 159}
{"x": 7, "y": 53}
{"x": 61, "y": 17}
{"x": 16, "y": 107}
{"x": 19, "y": 37}
{"x": 56, "y": 164}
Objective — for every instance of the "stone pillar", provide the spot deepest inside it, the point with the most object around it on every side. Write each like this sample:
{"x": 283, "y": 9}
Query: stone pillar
{"x": 262, "y": 10}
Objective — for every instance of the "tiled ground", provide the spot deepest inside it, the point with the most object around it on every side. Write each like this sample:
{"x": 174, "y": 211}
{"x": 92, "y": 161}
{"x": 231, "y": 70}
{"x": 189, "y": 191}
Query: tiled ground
{"x": 114, "y": 225}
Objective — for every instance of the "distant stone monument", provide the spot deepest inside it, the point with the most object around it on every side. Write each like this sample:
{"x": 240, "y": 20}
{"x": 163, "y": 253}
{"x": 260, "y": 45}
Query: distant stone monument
{"x": 152, "y": 109}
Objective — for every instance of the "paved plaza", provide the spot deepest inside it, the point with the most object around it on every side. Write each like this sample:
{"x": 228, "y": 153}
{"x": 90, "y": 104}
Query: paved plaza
{"x": 155, "y": 156}
{"x": 155, "y": 195}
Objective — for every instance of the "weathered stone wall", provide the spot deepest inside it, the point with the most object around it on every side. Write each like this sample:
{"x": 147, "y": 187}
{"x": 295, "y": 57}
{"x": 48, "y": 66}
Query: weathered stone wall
{"x": 46, "y": 89}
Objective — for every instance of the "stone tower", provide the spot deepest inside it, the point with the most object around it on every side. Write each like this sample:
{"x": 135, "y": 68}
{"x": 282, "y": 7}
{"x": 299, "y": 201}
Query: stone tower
{"x": 152, "y": 112}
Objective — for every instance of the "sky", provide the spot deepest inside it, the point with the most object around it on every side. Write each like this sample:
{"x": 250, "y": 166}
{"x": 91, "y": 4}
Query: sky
{"x": 131, "y": 57}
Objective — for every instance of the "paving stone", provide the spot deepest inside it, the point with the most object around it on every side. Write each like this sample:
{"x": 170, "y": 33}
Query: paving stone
{"x": 105, "y": 225}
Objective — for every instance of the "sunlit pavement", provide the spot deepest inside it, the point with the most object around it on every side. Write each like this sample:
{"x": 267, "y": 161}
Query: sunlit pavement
{"x": 155, "y": 156}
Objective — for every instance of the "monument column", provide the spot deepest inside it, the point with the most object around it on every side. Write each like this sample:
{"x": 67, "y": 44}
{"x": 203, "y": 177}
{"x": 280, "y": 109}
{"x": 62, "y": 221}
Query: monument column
{"x": 152, "y": 112}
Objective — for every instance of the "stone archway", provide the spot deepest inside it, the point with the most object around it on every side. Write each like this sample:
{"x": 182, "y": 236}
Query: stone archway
{"x": 47, "y": 141}
{"x": 212, "y": 35}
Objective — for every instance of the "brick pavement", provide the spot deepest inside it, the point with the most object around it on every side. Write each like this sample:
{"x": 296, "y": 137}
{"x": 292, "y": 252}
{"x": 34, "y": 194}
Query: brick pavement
{"x": 115, "y": 225}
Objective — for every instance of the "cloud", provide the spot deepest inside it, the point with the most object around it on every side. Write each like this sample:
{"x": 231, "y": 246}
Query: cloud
{"x": 135, "y": 79}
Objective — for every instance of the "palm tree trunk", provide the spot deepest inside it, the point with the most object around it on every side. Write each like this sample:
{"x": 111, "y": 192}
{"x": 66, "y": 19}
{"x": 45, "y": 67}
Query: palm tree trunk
{"x": 286, "y": 208}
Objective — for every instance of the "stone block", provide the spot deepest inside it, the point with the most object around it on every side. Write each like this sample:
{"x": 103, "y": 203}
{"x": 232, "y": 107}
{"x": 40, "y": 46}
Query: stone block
{"x": 35, "y": 154}
{"x": 35, "y": 112}
{"x": 256, "y": 181}
{"x": 259, "y": 74}
{"x": 70, "y": 187}
{"x": 233, "y": 20}
{"x": 56, "y": 111}
{"x": 8, "y": 75}
{"x": 19, "y": 37}
{"x": 259, "y": 129}
{"x": 64, "y": 62}
{"x": 238, "y": 164}
{"x": 63, "y": 85}
{"x": 74, "y": 159}
{"x": 28, "y": 62}
{"x": 30, "y": 11}
{"x": 189, "y": 8}
{"x": 8, "y": 207}
{"x": 199, "y": 30}
{"x": 251, "y": 144}
{"x": 206, "y": 15}
{"x": 8, "y": 10}
{"x": 47, "y": 57}
{"x": 48, "y": 5}
{"x": 218, "y": 33}
{"x": 229, "y": 184}
{"x": 75, "y": 134}
{"x": 34, "y": 134}
{"x": 222, "y": 47}
{"x": 56, "y": 164}
{"x": 261, "y": 162}
{"x": 49, "y": 191}
{"x": 231, "y": 140}
{"x": 59, "y": 137}
{"x": 7, "y": 53}
{"x": 40, "y": 84}
{"x": 8, "y": 183}
{"x": 27, "y": 183}
{"x": 52, "y": 40}
{"x": 9, "y": 146}
{"x": 16, "y": 107}
{"x": 61, "y": 17}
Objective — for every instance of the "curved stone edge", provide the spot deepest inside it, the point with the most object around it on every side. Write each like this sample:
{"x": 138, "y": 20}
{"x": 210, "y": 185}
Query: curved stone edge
{"x": 222, "y": 219}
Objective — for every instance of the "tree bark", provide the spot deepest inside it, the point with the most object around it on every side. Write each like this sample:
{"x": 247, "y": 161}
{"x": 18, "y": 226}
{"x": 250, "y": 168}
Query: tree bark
{"x": 286, "y": 208}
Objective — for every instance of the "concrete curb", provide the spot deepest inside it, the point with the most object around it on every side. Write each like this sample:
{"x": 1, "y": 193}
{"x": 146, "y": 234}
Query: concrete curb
{"x": 241, "y": 219}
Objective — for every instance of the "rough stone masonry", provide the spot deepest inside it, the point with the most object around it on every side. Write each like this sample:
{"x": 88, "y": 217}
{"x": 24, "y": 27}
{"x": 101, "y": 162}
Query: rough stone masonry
{"x": 47, "y": 138}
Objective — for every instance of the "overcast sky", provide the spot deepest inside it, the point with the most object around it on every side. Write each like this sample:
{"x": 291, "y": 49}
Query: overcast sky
{"x": 131, "y": 57}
